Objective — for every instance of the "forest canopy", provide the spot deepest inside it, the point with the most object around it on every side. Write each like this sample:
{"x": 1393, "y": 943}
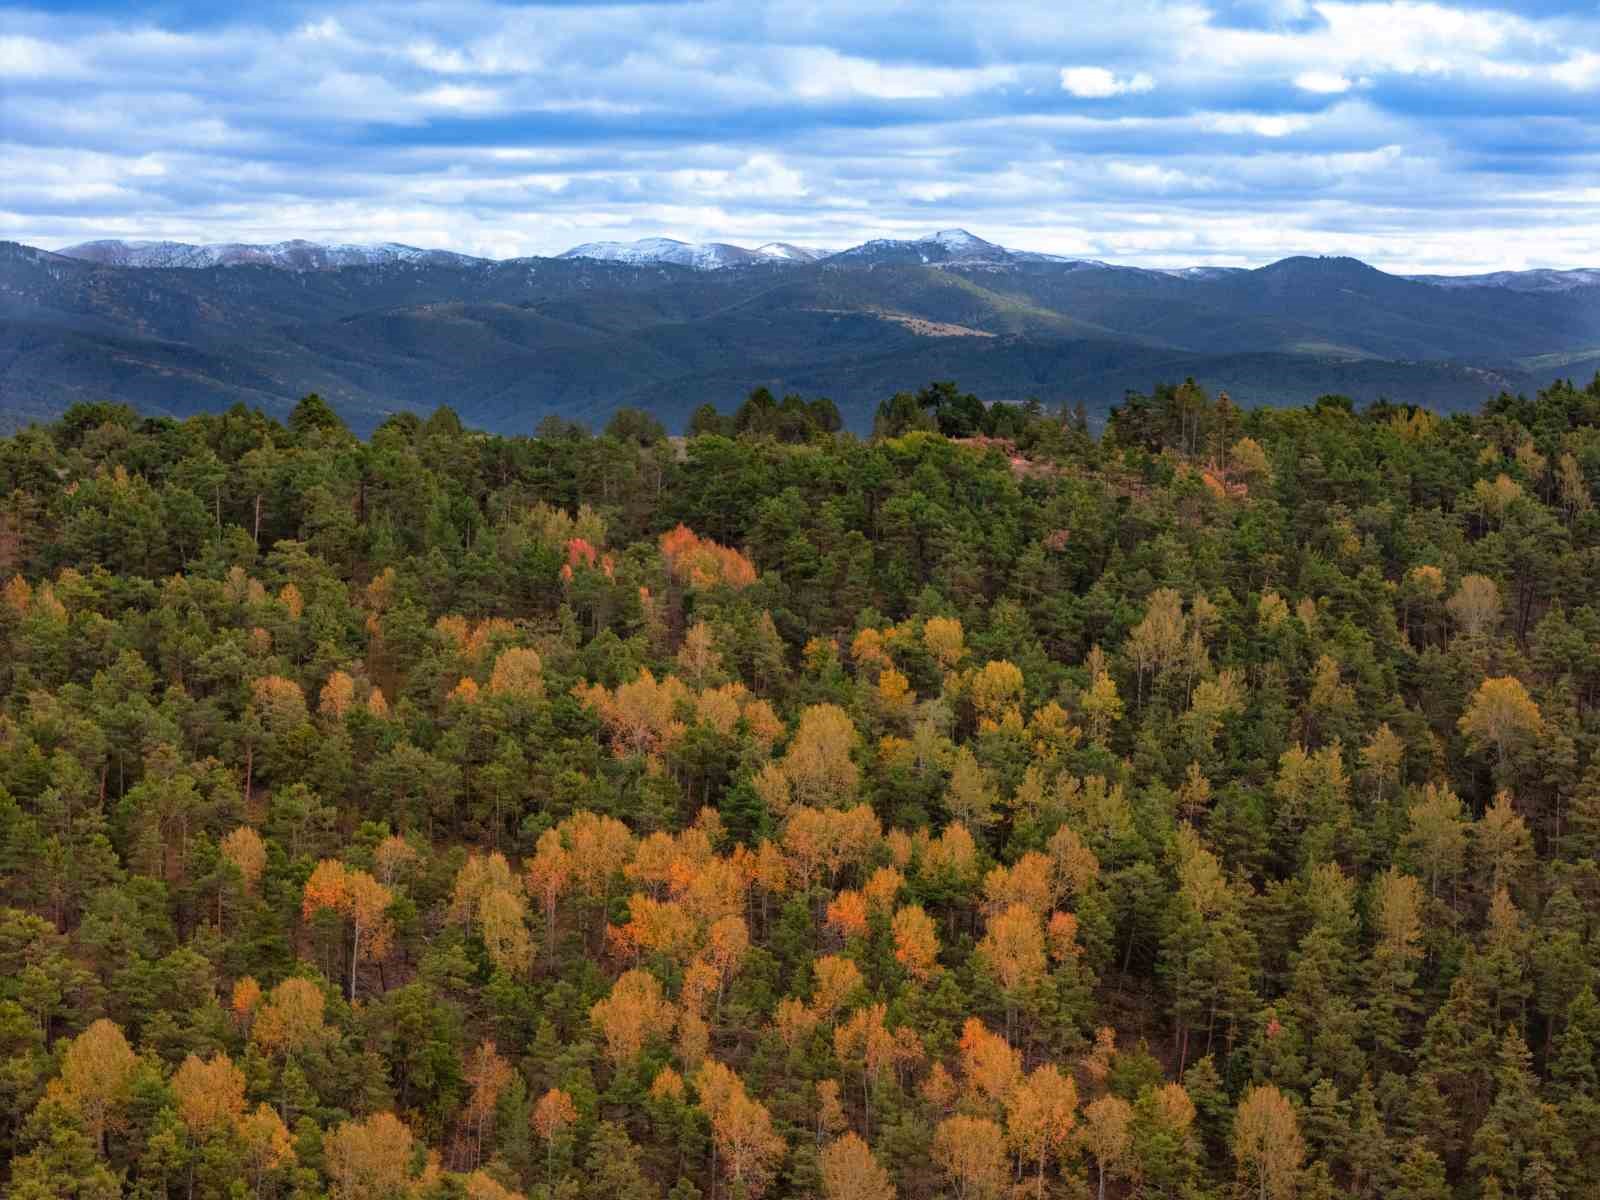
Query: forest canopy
{"x": 1209, "y": 807}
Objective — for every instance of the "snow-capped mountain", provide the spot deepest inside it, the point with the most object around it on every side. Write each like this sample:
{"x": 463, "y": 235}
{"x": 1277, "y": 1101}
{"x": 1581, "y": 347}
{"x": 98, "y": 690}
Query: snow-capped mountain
{"x": 296, "y": 255}
{"x": 948, "y": 247}
{"x": 785, "y": 252}
{"x": 945, "y": 248}
{"x": 707, "y": 256}
{"x": 1538, "y": 280}
{"x": 1202, "y": 272}
{"x": 698, "y": 256}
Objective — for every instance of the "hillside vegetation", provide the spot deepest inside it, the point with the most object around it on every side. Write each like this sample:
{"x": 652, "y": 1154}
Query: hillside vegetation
{"x": 509, "y": 343}
{"x": 985, "y": 810}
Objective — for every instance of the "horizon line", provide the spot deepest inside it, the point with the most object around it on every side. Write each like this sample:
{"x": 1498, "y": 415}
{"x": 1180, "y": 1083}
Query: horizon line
{"x": 824, "y": 251}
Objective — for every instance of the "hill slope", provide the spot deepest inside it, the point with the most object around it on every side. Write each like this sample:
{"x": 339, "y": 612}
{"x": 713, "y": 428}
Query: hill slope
{"x": 670, "y": 326}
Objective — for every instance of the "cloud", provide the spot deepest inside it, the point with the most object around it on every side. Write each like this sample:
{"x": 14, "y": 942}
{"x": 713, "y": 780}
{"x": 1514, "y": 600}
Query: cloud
{"x": 1418, "y": 133}
{"x": 1097, "y": 83}
{"x": 1323, "y": 83}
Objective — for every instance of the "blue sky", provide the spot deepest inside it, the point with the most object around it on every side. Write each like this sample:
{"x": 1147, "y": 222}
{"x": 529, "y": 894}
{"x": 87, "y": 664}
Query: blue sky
{"x": 1454, "y": 136}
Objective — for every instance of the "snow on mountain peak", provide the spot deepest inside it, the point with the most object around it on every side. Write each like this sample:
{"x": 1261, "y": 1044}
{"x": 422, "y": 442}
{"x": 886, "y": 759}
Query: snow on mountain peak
{"x": 787, "y": 253}
{"x": 701, "y": 256}
{"x": 957, "y": 239}
{"x": 293, "y": 255}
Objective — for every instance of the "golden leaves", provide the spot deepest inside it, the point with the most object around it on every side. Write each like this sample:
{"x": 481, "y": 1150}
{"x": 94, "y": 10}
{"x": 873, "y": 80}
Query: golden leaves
{"x": 701, "y": 564}
{"x": 210, "y": 1093}
{"x": 634, "y": 1012}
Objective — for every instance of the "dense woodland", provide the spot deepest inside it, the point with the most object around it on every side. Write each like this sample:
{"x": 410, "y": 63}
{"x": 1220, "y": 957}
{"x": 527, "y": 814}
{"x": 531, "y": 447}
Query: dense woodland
{"x": 1207, "y": 807}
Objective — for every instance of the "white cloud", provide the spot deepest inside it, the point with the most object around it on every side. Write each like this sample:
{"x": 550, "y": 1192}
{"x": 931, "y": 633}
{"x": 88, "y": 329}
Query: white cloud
{"x": 1152, "y": 176}
{"x": 1305, "y": 126}
{"x": 34, "y": 58}
{"x": 459, "y": 98}
{"x": 1097, "y": 83}
{"x": 817, "y": 73}
{"x": 1267, "y": 125}
{"x": 1580, "y": 72}
{"x": 1323, "y": 83}
{"x": 491, "y": 56}
{"x": 326, "y": 30}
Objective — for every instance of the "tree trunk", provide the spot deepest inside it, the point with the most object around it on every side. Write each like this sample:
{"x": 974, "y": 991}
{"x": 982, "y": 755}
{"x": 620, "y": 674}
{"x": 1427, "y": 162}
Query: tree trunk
{"x": 355, "y": 950}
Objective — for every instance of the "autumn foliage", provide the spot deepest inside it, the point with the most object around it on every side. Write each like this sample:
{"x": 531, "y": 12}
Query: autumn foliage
{"x": 1206, "y": 810}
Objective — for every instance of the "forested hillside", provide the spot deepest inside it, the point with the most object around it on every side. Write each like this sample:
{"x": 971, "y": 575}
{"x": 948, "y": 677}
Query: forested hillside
{"x": 514, "y": 341}
{"x": 1205, "y": 809}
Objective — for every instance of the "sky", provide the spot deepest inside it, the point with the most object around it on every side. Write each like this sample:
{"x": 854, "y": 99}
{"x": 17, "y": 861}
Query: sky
{"x": 1451, "y": 137}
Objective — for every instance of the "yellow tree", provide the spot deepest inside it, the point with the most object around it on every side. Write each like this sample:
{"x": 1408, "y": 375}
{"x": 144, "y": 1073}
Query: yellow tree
{"x": 337, "y": 697}
{"x": 1040, "y": 1113}
{"x": 479, "y": 874}
{"x": 1157, "y": 642}
{"x": 1267, "y": 1143}
{"x": 835, "y": 980}
{"x": 1475, "y": 606}
{"x": 727, "y": 941}
{"x": 601, "y": 848}
{"x": 1501, "y": 714}
{"x": 698, "y": 657}
{"x": 549, "y": 873}
{"x": 972, "y": 1153}
{"x": 741, "y": 1130}
{"x": 248, "y": 854}
{"x": 1504, "y": 845}
{"x": 997, "y": 694}
{"x": 96, "y": 1076}
{"x": 916, "y": 942}
{"x": 1437, "y": 837}
{"x": 480, "y": 1185}
{"x": 1013, "y": 949}
{"x": 1383, "y": 756}
{"x": 831, "y": 1118}
{"x": 634, "y": 1012}
{"x": 850, "y": 1172}
{"x": 817, "y": 765}
{"x": 362, "y": 900}
{"x": 391, "y": 856}
{"x": 244, "y": 849}
{"x": 517, "y": 672}
{"x": 971, "y": 796}
{"x": 1102, "y": 706}
{"x": 881, "y": 889}
{"x": 1397, "y": 907}
{"x": 243, "y": 999}
{"x": 289, "y": 1020}
{"x": 1075, "y": 865}
{"x": 988, "y": 1062}
{"x": 847, "y": 914}
{"x": 945, "y": 640}
{"x": 370, "y": 1159}
{"x": 866, "y": 1039}
{"x": 552, "y": 1116}
{"x": 894, "y": 696}
{"x": 502, "y": 921}
{"x": 488, "y": 1075}
{"x": 210, "y": 1094}
{"x": 266, "y": 1143}
{"x": 1107, "y": 1133}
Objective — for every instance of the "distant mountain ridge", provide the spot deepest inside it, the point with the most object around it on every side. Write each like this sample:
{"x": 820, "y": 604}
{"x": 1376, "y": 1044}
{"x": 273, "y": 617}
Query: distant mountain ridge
{"x": 669, "y": 325}
{"x": 294, "y": 255}
{"x": 945, "y": 247}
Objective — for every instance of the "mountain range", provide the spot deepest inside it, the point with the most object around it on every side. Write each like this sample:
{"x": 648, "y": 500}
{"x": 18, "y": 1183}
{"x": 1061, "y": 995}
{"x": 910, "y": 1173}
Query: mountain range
{"x": 668, "y": 325}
